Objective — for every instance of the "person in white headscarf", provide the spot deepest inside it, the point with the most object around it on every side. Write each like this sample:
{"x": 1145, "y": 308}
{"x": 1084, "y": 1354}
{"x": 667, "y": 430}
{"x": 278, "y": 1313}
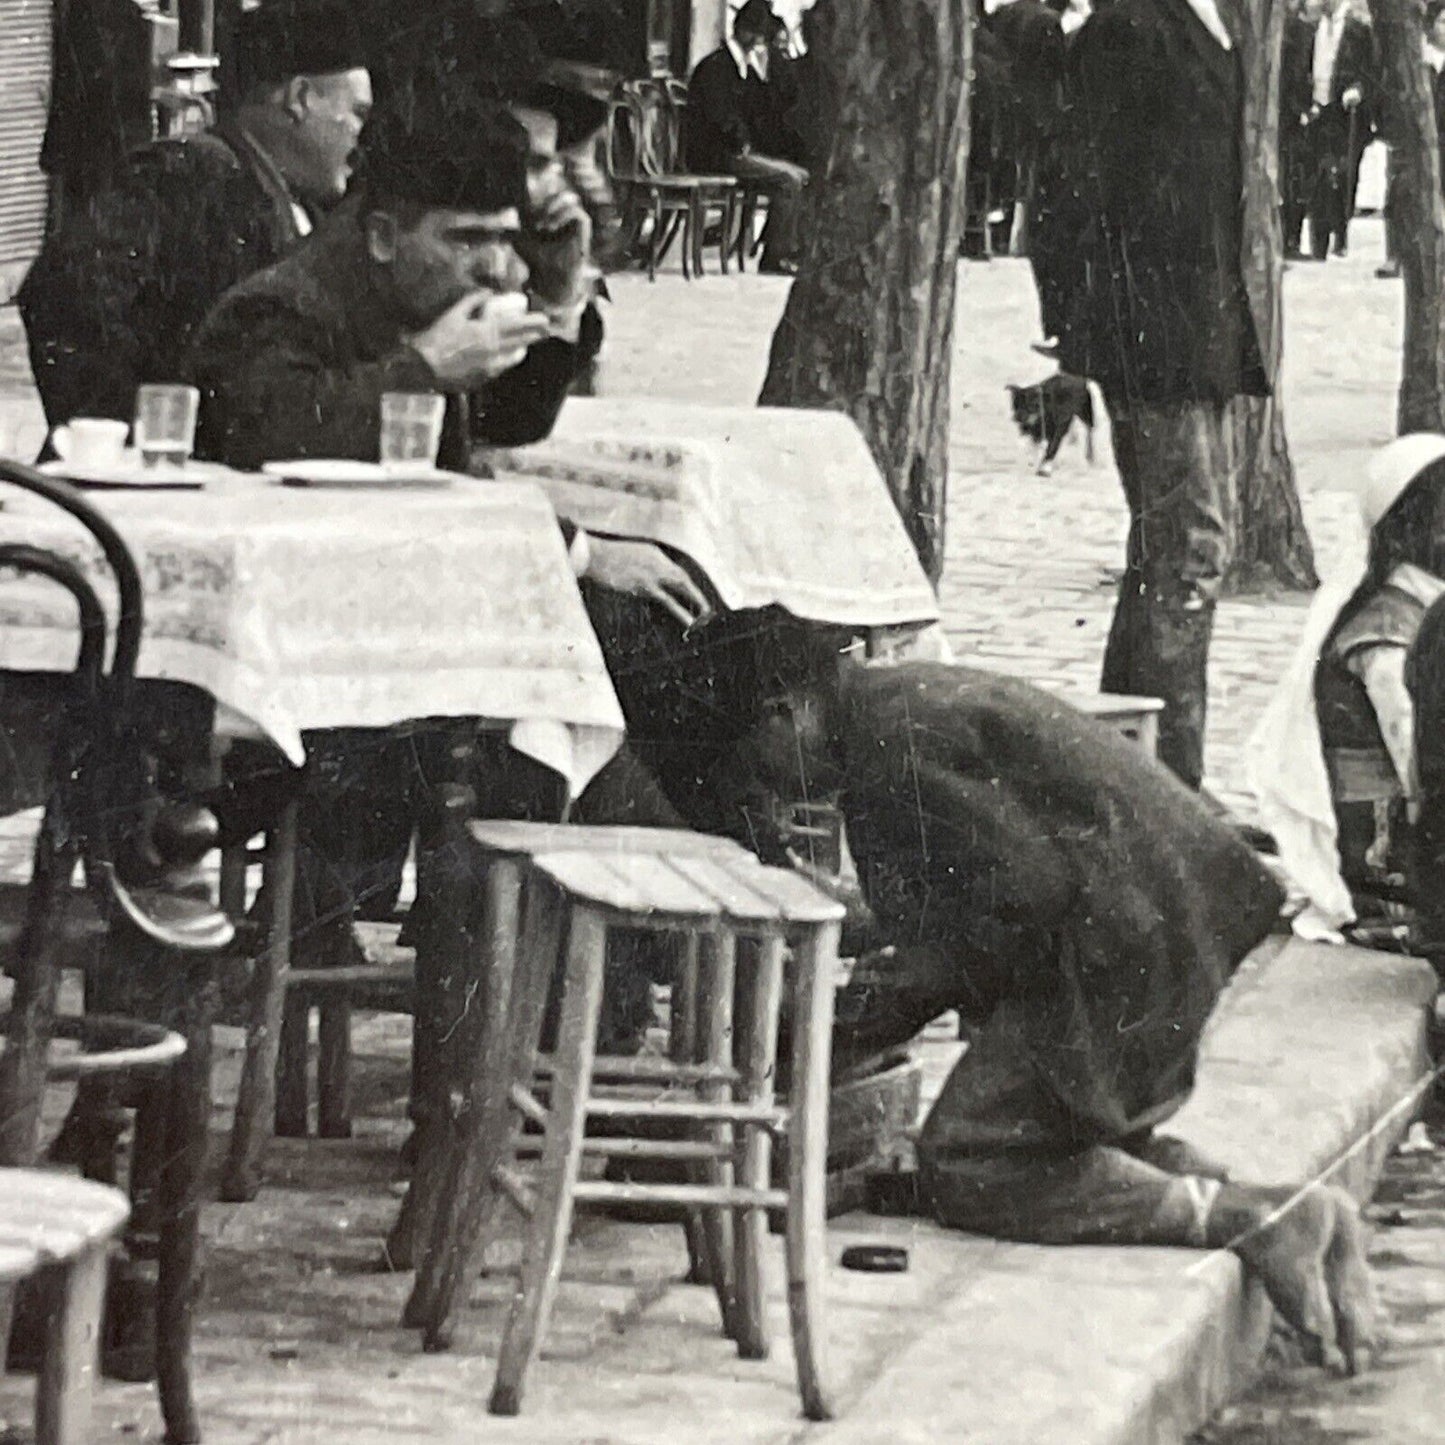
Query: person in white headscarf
{"x": 1332, "y": 760}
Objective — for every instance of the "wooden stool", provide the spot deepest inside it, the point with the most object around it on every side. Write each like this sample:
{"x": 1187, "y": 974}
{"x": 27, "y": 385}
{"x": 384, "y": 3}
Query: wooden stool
{"x": 57, "y": 1230}
{"x": 567, "y": 887}
{"x": 1136, "y": 717}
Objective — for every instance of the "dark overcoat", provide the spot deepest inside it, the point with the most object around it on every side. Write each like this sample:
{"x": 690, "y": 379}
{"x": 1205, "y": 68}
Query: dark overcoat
{"x": 1057, "y": 866}
{"x": 1157, "y": 311}
{"x": 293, "y": 363}
{"x": 117, "y": 292}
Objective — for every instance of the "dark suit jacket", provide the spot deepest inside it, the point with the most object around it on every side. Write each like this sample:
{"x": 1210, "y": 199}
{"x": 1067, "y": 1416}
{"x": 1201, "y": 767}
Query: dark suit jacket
{"x": 294, "y": 361}
{"x": 117, "y": 292}
{"x": 1355, "y": 62}
{"x": 1058, "y": 866}
{"x": 723, "y": 111}
{"x": 1157, "y": 310}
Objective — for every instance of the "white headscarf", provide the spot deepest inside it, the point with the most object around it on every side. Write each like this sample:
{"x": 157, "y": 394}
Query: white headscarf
{"x": 1285, "y": 755}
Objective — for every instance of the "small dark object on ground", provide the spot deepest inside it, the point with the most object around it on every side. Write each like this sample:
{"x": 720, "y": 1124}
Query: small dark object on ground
{"x": 875, "y": 1259}
{"x": 1045, "y": 412}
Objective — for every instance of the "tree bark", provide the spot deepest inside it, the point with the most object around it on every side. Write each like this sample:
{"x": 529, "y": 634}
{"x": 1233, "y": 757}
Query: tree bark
{"x": 1418, "y": 211}
{"x": 1271, "y": 545}
{"x": 868, "y": 328}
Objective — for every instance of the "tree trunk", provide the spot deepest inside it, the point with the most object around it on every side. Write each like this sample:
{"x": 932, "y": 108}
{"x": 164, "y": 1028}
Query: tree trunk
{"x": 1271, "y": 545}
{"x": 868, "y": 328}
{"x": 1418, "y": 211}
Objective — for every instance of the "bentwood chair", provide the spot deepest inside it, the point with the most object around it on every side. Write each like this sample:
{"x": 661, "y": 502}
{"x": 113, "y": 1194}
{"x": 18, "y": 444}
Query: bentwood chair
{"x": 643, "y": 150}
{"x": 114, "y": 930}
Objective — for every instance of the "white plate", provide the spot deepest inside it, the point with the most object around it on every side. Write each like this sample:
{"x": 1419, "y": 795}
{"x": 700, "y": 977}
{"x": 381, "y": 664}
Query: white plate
{"x": 130, "y": 473}
{"x": 326, "y": 472}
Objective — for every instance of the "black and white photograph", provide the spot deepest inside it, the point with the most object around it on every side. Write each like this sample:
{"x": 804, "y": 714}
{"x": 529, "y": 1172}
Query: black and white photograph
{"x": 717, "y": 722}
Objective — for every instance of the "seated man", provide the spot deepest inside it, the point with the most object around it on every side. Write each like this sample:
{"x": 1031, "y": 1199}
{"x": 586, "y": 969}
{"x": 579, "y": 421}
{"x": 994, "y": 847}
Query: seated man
{"x": 1082, "y": 912}
{"x": 398, "y": 292}
{"x": 734, "y": 129}
{"x": 120, "y": 286}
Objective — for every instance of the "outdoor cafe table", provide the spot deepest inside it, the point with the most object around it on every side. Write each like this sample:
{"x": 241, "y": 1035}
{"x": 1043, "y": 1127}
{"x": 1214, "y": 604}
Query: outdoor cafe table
{"x": 307, "y": 609}
{"x": 301, "y": 609}
{"x": 778, "y": 506}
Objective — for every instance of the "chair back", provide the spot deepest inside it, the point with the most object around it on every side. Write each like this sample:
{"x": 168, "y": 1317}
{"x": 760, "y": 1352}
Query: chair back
{"x": 655, "y": 124}
{"x": 622, "y": 142}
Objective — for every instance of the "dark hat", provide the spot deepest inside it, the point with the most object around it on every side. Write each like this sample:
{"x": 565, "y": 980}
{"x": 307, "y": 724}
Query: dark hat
{"x": 279, "y": 39}
{"x": 431, "y": 151}
{"x": 560, "y": 91}
{"x": 757, "y": 16}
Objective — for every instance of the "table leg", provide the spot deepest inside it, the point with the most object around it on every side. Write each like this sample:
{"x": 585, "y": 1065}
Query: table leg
{"x": 179, "y": 1276}
{"x": 256, "y": 1105}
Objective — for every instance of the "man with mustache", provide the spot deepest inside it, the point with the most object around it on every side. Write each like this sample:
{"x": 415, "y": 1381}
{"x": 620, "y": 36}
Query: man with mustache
{"x": 117, "y": 292}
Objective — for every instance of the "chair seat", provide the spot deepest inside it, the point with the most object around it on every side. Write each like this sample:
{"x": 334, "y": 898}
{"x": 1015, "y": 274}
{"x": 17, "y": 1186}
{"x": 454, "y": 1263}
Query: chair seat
{"x": 54, "y": 1217}
{"x": 113, "y": 1046}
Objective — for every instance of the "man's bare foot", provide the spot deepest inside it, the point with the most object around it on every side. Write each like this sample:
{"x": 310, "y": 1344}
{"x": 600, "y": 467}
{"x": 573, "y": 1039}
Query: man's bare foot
{"x": 1311, "y": 1261}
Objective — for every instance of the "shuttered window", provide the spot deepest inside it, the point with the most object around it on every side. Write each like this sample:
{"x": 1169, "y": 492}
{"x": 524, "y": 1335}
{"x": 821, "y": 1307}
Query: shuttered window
{"x": 24, "y": 93}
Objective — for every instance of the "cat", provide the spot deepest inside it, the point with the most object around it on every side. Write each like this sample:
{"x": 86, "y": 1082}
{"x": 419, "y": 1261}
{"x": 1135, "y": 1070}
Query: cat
{"x": 1045, "y": 412}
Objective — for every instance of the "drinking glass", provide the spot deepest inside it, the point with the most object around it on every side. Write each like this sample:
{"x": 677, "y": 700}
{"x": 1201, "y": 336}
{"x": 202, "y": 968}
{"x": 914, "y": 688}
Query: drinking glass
{"x": 411, "y": 430}
{"x": 165, "y": 424}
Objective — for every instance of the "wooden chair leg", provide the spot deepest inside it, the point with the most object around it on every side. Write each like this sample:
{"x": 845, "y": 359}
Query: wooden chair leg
{"x": 32, "y": 1010}
{"x": 725, "y": 244}
{"x": 715, "y": 1014}
{"x": 181, "y": 1187}
{"x": 333, "y": 1070}
{"x": 255, "y": 1107}
{"x": 561, "y": 1159}
{"x": 70, "y": 1354}
{"x": 293, "y": 1066}
{"x": 813, "y": 962}
{"x": 147, "y": 1161}
{"x": 654, "y": 239}
{"x": 696, "y": 226}
{"x": 453, "y": 1192}
{"x": 760, "y": 991}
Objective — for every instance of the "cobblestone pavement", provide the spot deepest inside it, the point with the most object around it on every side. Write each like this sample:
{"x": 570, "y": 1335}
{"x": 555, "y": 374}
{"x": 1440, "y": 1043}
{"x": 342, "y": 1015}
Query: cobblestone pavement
{"x": 1031, "y": 562}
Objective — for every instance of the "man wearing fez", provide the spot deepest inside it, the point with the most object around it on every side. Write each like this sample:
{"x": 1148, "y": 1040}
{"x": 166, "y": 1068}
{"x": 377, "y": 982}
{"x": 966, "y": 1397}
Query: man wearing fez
{"x": 414, "y": 285}
{"x": 117, "y": 292}
{"x": 1158, "y": 316}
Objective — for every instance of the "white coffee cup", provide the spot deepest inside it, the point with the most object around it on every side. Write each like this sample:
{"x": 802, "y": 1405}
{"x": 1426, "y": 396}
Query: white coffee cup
{"x": 91, "y": 441}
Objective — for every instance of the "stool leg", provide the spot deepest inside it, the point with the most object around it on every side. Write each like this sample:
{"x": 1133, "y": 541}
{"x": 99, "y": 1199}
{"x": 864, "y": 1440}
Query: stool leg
{"x": 147, "y": 1159}
{"x": 814, "y": 961}
{"x": 70, "y": 1356}
{"x": 333, "y": 1071}
{"x": 716, "y": 1027}
{"x": 725, "y": 245}
{"x": 682, "y": 1049}
{"x": 255, "y": 1107}
{"x": 561, "y": 1159}
{"x": 761, "y": 993}
{"x": 293, "y": 1064}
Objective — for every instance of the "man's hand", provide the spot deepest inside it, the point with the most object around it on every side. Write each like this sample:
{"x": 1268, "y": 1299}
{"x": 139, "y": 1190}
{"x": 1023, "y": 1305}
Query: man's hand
{"x": 556, "y": 244}
{"x": 643, "y": 569}
{"x": 478, "y": 338}
{"x": 1352, "y": 98}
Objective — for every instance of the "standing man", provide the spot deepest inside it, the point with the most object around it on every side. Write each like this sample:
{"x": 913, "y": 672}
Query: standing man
{"x": 1342, "y": 66}
{"x": 116, "y": 293}
{"x": 1296, "y": 157}
{"x": 732, "y": 129}
{"x": 1158, "y": 316}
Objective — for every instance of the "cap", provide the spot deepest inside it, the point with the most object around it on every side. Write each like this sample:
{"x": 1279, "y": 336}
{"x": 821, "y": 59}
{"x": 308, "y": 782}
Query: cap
{"x": 279, "y": 39}
{"x": 1394, "y": 468}
{"x": 434, "y": 152}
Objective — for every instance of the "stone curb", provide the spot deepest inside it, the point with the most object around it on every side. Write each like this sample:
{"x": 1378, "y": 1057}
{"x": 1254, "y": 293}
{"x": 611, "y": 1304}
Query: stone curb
{"x": 1312, "y": 1066}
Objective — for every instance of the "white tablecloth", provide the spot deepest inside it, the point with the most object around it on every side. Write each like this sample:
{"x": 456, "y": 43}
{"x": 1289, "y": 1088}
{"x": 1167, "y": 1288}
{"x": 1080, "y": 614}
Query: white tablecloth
{"x": 305, "y": 609}
{"x": 777, "y": 506}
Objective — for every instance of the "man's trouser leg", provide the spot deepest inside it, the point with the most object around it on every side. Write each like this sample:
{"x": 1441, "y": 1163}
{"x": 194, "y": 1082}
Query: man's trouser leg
{"x": 1001, "y": 1155}
{"x": 1175, "y": 465}
{"x": 784, "y": 183}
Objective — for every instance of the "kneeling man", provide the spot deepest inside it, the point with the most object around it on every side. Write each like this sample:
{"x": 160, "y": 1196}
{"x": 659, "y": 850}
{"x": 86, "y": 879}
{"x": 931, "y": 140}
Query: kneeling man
{"x": 1082, "y": 911}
